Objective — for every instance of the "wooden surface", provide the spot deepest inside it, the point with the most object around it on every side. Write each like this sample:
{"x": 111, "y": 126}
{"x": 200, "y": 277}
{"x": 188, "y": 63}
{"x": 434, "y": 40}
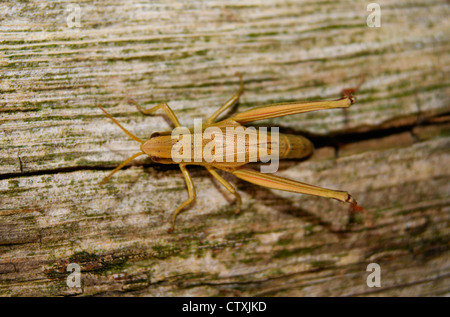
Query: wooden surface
{"x": 390, "y": 150}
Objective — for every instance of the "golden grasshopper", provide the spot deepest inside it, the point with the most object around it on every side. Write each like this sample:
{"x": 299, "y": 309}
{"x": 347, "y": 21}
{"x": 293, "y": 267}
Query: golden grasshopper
{"x": 160, "y": 144}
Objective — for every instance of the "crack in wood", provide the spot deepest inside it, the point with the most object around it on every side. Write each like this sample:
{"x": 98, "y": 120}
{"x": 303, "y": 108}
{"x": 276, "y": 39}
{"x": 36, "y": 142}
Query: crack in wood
{"x": 335, "y": 140}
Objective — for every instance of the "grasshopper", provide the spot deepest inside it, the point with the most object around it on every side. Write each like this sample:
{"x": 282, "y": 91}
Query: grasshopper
{"x": 158, "y": 147}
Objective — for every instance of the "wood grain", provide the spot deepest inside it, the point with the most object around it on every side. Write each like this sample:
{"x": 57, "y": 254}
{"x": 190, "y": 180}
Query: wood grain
{"x": 390, "y": 150}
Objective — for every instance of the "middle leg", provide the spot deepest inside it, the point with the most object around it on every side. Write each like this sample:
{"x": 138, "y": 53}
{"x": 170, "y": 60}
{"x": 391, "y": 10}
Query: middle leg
{"x": 228, "y": 104}
{"x": 228, "y": 186}
{"x": 191, "y": 192}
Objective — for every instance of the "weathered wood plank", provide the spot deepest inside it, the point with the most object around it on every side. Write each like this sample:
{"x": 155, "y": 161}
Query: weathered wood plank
{"x": 53, "y": 76}
{"x": 282, "y": 244}
{"x": 390, "y": 150}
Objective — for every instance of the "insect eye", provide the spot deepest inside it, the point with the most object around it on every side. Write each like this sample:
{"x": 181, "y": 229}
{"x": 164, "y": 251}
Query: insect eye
{"x": 154, "y": 135}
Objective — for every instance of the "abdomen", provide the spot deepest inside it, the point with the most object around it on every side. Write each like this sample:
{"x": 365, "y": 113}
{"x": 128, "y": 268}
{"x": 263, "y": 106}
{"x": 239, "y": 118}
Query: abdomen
{"x": 295, "y": 146}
